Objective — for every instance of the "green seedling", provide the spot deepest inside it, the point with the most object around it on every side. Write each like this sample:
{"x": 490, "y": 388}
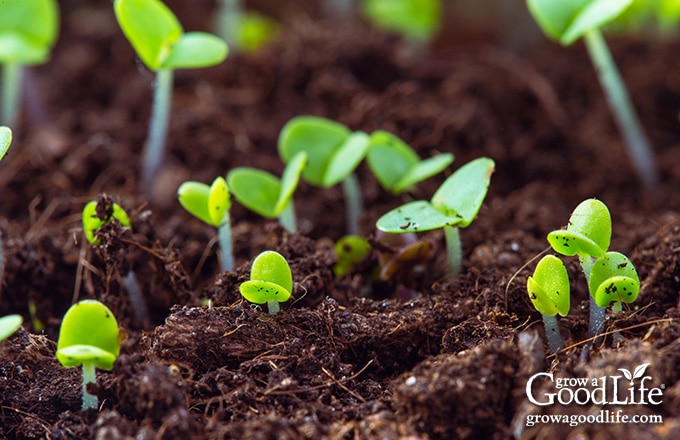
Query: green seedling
{"x": 243, "y": 31}
{"x": 454, "y": 205}
{"x": 614, "y": 281}
{"x": 88, "y": 337}
{"x": 397, "y": 167}
{"x": 349, "y": 250}
{"x": 568, "y": 20}
{"x": 417, "y": 20}
{"x": 661, "y": 16}
{"x": 5, "y": 140}
{"x": 9, "y": 324}
{"x": 587, "y": 236}
{"x": 96, "y": 215}
{"x": 271, "y": 281}
{"x": 28, "y": 30}
{"x": 211, "y": 204}
{"x": 158, "y": 38}
{"x": 548, "y": 290}
{"x": 265, "y": 194}
{"x": 333, "y": 153}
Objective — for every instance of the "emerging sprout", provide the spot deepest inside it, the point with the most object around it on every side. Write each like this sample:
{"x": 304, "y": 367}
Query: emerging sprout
{"x": 271, "y": 281}
{"x": 94, "y": 219}
{"x": 587, "y": 235}
{"x": 400, "y": 253}
{"x": 548, "y": 290}
{"x": 161, "y": 43}
{"x": 333, "y": 152}
{"x": 88, "y": 337}
{"x": 28, "y": 30}
{"x": 349, "y": 250}
{"x": 613, "y": 281}
{"x": 568, "y": 20}
{"x": 454, "y": 205}
{"x": 211, "y": 204}
{"x": 243, "y": 31}
{"x": 397, "y": 167}
{"x": 9, "y": 324}
{"x": 5, "y": 140}
{"x": 265, "y": 194}
{"x": 417, "y": 20}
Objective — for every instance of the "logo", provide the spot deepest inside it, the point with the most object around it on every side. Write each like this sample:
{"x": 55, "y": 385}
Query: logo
{"x": 629, "y": 388}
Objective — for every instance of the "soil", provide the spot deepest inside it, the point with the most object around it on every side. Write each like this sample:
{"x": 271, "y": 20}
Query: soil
{"x": 421, "y": 355}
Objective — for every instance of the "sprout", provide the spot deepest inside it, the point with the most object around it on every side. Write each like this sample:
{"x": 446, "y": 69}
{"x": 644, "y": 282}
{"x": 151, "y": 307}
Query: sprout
{"x": 88, "y": 337}
{"x": 96, "y": 215}
{"x": 399, "y": 253}
{"x": 266, "y": 195}
{"x": 271, "y": 281}
{"x": 417, "y": 20}
{"x": 211, "y": 204}
{"x": 614, "y": 281}
{"x": 243, "y": 31}
{"x": 548, "y": 290}
{"x": 568, "y": 20}
{"x": 161, "y": 43}
{"x": 5, "y": 140}
{"x": 397, "y": 167}
{"x": 587, "y": 235}
{"x": 333, "y": 152}
{"x": 28, "y": 30}
{"x": 454, "y": 205}
{"x": 9, "y": 324}
{"x": 349, "y": 250}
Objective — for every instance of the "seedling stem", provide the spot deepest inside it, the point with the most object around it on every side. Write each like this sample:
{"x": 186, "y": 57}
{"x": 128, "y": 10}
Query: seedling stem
{"x": 158, "y": 126}
{"x": 620, "y": 104}
{"x": 11, "y": 85}
{"x": 454, "y": 252}
{"x": 90, "y": 401}
{"x": 350, "y": 187}
{"x": 226, "y": 243}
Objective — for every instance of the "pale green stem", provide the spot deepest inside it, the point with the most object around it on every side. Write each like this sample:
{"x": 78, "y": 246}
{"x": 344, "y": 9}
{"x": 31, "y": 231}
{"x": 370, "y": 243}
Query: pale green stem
{"x": 226, "y": 244}
{"x": 287, "y": 219}
{"x": 137, "y": 303}
{"x": 619, "y": 102}
{"x": 227, "y": 16}
{"x": 158, "y": 126}
{"x": 11, "y": 91}
{"x": 552, "y": 333}
{"x": 2, "y": 260}
{"x": 617, "y": 337}
{"x": 454, "y": 251}
{"x": 89, "y": 400}
{"x": 350, "y": 187}
{"x": 596, "y": 312}
{"x": 273, "y": 307}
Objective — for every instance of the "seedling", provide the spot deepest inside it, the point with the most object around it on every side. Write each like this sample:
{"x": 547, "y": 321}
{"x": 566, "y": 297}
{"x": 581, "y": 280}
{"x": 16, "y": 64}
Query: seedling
{"x": 416, "y": 20}
{"x": 614, "y": 281}
{"x": 243, "y": 31}
{"x": 28, "y": 30}
{"x": 568, "y": 20}
{"x": 271, "y": 281}
{"x": 661, "y": 16}
{"x": 96, "y": 214}
{"x": 5, "y": 140}
{"x": 9, "y": 324}
{"x": 454, "y": 205}
{"x": 158, "y": 38}
{"x": 93, "y": 219}
{"x": 349, "y": 250}
{"x": 397, "y": 167}
{"x": 265, "y": 194}
{"x": 548, "y": 290}
{"x": 211, "y": 204}
{"x": 587, "y": 236}
{"x": 88, "y": 337}
{"x": 333, "y": 153}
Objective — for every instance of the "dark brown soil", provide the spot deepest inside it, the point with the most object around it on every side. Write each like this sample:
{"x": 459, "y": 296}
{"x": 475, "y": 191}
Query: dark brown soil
{"x": 421, "y": 356}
